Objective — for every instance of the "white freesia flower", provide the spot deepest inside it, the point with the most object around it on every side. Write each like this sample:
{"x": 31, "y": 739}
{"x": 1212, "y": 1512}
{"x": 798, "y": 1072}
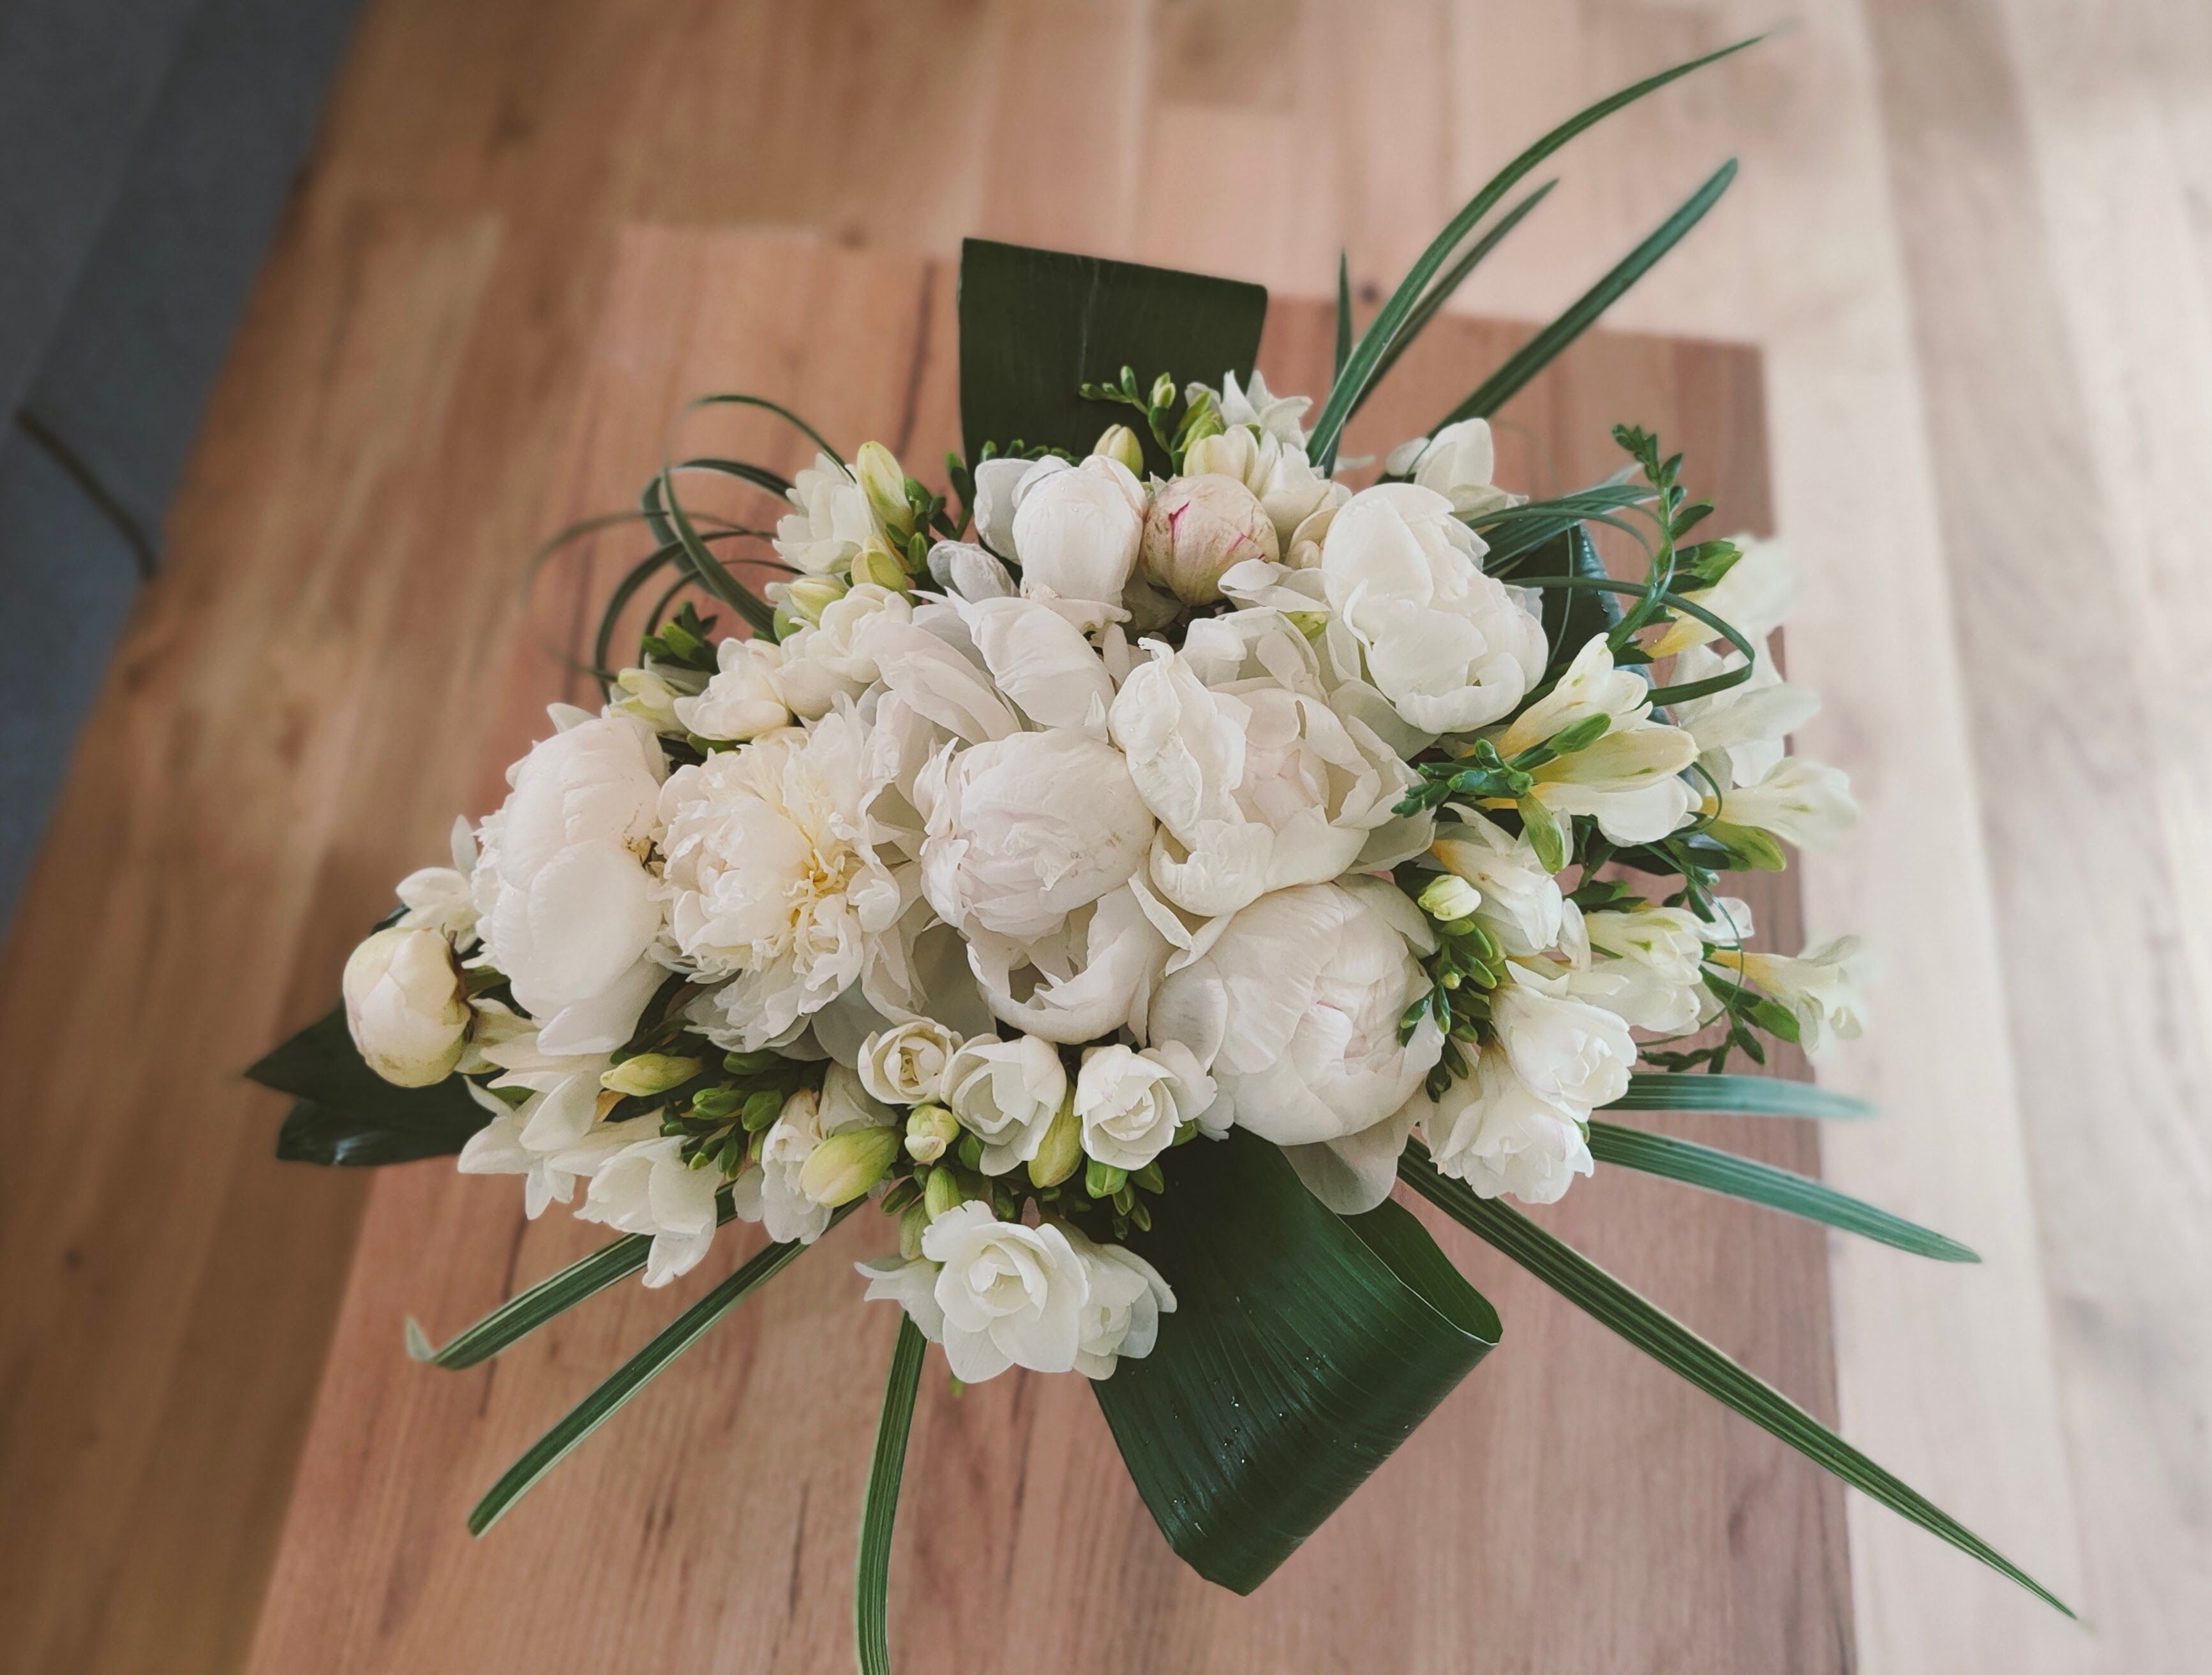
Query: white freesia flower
{"x": 1591, "y": 686}
{"x": 1121, "y": 1315}
{"x": 650, "y": 696}
{"x": 1024, "y": 830}
{"x": 833, "y": 521}
{"x": 835, "y": 659}
{"x": 1012, "y": 1295}
{"x": 912, "y": 1284}
{"x": 1076, "y": 531}
{"x": 1493, "y": 1132}
{"x": 1199, "y": 526}
{"x": 1740, "y": 731}
{"x": 906, "y": 1065}
{"x": 1758, "y": 591}
{"x": 1005, "y": 1093}
{"x": 1808, "y": 803}
{"x": 772, "y": 877}
{"x": 1451, "y": 648}
{"x": 1130, "y": 1103}
{"x": 1254, "y": 404}
{"x": 1570, "y": 1053}
{"x": 405, "y": 1005}
{"x": 1458, "y": 463}
{"x": 1659, "y": 952}
{"x": 566, "y": 905}
{"x": 742, "y": 700}
{"x": 1294, "y": 1009}
{"x": 1822, "y": 987}
{"x": 646, "y": 1187}
{"x": 1091, "y": 976}
{"x": 772, "y": 1194}
{"x": 1522, "y": 904}
{"x": 497, "y": 1149}
{"x": 439, "y": 897}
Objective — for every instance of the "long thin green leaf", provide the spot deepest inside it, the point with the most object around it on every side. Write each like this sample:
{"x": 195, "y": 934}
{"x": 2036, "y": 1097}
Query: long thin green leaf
{"x": 1384, "y": 330}
{"x": 1582, "y": 314}
{"x": 1675, "y": 1347}
{"x": 1439, "y": 294}
{"x": 1758, "y": 1183}
{"x": 639, "y": 1370}
{"x": 780, "y": 411}
{"x": 1343, "y": 311}
{"x": 1760, "y": 1096}
{"x": 872, "y": 1577}
{"x": 1688, "y": 688}
{"x": 669, "y": 521}
{"x": 745, "y": 471}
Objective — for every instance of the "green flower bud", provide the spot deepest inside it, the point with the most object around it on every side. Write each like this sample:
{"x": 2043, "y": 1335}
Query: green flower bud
{"x": 940, "y": 1192}
{"x": 1104, "y": 1180}
{"x": 884, "y": 484}
{"x": 1450, "y": 897}
{"x": 845, "y": 1166}
{"x": 1061, "y": 1148}
{"x": 761, "y": 1109}
{"x": 649, "y": 1074}
{"x": 1118, "y": 441}
{"x": 929, "y": 1130}
{"x": 880, "y": 565}
{"x": 912, "y": 1224}
{"x": 807, "y": 597}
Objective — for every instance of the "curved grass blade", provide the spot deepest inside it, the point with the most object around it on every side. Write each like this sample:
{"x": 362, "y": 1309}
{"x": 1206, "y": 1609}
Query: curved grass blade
{"x": 1512, "y": 533}
{"x": 672, "y": 524}
{"x": 626, "y": 589}
{"x": 1453, "y": 277}
{"x": 1385, "y": 328}
{"x": 1759, "y": 1096}
{"x": 1688, "y": 688}
{"x": 639, "y": 1370}
{"x": 1343, "y": 313}
{"x": 745, "y": 471}
{"x": 1757, "y": 1183}
{"x": 1579, "y": 315}
{"x": 780, "y": 411}
{"x": 872, "y": 1577}
{"x": 525, "y": 1312}
{"x": 1675, "y": 1347}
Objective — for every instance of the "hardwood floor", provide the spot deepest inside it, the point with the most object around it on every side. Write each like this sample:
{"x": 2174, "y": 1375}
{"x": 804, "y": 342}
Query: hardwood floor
{"x": 1971, "y": 239}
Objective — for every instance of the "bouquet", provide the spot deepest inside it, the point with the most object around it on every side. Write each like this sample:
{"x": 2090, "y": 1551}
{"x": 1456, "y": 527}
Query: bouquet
{"x": 1120, "y": 870}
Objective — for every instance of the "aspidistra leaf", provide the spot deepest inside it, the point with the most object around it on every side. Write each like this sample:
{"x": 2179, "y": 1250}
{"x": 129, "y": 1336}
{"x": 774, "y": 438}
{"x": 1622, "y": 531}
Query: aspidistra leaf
{"x": 350, "y": 1116}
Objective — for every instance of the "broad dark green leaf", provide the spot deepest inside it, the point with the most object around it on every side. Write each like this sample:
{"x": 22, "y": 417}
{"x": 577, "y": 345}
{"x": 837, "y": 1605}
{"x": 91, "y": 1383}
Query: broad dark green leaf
{"x": 872, "y": 1577}
{"x": 1540, "y": 350}
{"x": 1036, "y": 324}
{"x": 1674, "y": 1346}
{"x": 349, "y": 1116}
{"x": 1303, "y": 1348}
{"x": 1763, "y": 1096}
{"x": 1763, "y": 1183}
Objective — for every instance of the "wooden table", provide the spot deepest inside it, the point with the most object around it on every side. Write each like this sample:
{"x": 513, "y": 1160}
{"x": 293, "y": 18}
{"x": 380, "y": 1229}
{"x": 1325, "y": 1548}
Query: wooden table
{"x": 1571, "y": 1507}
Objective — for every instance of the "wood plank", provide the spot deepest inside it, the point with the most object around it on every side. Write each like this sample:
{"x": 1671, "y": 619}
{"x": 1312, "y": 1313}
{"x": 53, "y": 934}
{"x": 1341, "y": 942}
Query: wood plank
{"x": 712, "y": 1525}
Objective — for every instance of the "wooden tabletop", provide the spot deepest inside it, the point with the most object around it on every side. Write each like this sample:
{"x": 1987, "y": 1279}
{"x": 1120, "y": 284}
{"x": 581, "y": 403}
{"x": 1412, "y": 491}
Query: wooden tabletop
{"x": 1571, "y": 1507}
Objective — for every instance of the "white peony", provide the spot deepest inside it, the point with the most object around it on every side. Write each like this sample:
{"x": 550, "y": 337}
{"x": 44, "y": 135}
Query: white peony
{"x": 1006, "y": 1094}
{"x": 772, "y": 877}
{"x": 1493, "y": 1132}
{"x": 1041, "y": 661}
{"x": 1568, "y": 1052}
{"x": 1823, "y": 988}
{"x": 1076, "y": 531}
{"x": 1092, "y": 976}
{"x": 1451, "y": 648}
{"x": 1121, "y": 1315}
{"x": 1130, "y": 1103}
{"x": 966, "y": 572}
{"x": 772, "y": 1194}
{"x": 1011, "y": 1295}
{"x": 1199, "y": 526}
{"x": 405, "y": 1005}
{"x": 1024, "y": 830}
{"x": 832, "y": 523}
{"x": 995, "y": 483}
{"x": 566, "y": 904}
{"x": 1522, "y": 905}
{"x": 742, "y": 700}
{"x": 906, "y": 1065}
{"x": 646, "y": 1187}
{"x": 833, "y": 659}
{"x": 1658, "y": 953}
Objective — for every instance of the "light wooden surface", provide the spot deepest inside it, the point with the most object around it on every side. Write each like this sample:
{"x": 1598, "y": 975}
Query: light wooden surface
{"x": 712, "y": 1525}
{"x": 1969, "y": 239}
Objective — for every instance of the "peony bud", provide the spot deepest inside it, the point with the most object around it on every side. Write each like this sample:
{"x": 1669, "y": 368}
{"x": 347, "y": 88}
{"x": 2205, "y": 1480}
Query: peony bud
{"x": 807, "y": 597}
{"x": 649, "y": 1074}
{"x": 1062, "y": 1149}
{"x": 1450, "y": 897}
{"x": 1118, "y": 441}
{"x": 884, "y": 484}
{"x": 1197, "y": 528}
{"x": 879, "y": 564}
{"x": 929, "y": 1130}
{"x": 845, "y": 1165}
{"x": 406, "y": 1005}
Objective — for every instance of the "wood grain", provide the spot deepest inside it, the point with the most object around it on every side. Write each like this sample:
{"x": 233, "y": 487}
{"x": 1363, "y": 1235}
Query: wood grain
{"x": 712, "y": 1525}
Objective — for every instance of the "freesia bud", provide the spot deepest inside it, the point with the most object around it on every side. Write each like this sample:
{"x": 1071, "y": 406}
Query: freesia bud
{"x": 879, "y": 564}
{"x": 1197, "y": 528}
{"x": 884, "y": 484}
{"x": 406, "y": 1005}
{"x": 810, "y": 595}
{"x": 649, "y": 1074}
{"x": 1118, "y": 441}
{"x": 940, "y": 1192}
{"x": 1450, "y": 897}
{"x": 1061, "y": 1148}
{"x": 1224, "y": 453}
{"x": 929, "y": 1130}
{"x": 845, "y": 1166}
{"x": 913, "y": 1223}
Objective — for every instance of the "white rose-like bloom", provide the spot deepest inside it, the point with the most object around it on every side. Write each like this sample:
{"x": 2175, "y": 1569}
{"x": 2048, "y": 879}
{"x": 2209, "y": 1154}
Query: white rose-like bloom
{"x": 834, "y": 660}
{"x": 1458, "y": 462}
{"x": 1659, "y": 952}
{"x": 1023, "y": 830}
{"x": 1740, "y": 731}
{"x": 832, "y": 523}
{"x": 1130, "y": 1103}
{"x": 1570, "y": 1053}
{"x": 1808, "y": 803}
{"x": 646, "y": 1187}
{"x": 1076, "y": 530}
{"x": 771, "y": 1194}
{"x": 1759, "y": 590}
{"x": 911, "y": 1284}
{"x": 742, "y": 700}
{"x": 1257, "y": 787}
{"x": 1451, "y": 648}
{"x": 1494, "y": 1132}
{"x": 1005, "y": 1093}
{"x": 906, "y": 1065}
{"x": 1294, "y": 1009}
{"x": 1199, "y": 526}
{"x": 566, "y": 905}
{"x": 1522, "y": 904}
{"x": 1122, "y": 1317}
{"x": 1012, "y": 1295}
{"x": 1822, "y": 988}
{"x": 405, "y": 1005}
{"x": 773, "y": 876}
